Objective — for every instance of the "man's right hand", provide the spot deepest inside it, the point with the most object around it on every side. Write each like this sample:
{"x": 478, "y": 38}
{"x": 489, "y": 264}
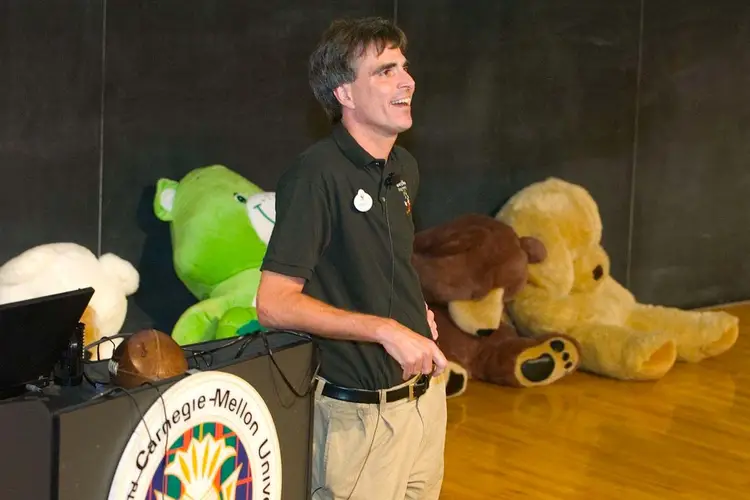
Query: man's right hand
{"x": 416, "y": 354}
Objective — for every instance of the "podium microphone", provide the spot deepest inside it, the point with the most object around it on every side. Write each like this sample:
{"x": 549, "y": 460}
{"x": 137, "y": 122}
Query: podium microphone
{"x": 68, "y": 371}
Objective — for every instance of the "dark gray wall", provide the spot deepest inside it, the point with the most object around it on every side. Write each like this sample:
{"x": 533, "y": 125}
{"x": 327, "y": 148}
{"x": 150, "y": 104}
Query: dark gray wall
{"x": 644, "y": 103}
{"x": 50, "y": 113}
{"x": 691, "y": 227}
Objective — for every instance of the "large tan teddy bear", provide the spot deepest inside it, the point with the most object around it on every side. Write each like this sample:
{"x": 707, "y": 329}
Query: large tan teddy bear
{"x": 572, "y": 292}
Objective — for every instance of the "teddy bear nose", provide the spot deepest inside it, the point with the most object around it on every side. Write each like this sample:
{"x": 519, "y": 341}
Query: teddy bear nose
{"x": 598, "y": 272}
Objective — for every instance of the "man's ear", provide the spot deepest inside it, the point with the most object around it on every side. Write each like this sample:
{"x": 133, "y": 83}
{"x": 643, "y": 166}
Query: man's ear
{"x": 343, "y": 94}
{"x": 166, "y": 189}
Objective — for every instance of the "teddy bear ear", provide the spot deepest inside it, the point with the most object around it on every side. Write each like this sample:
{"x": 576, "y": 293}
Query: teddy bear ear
{"x": 122, "y": 271}
{"x": 166, "y": 189}
{"x": 534, "y": 248}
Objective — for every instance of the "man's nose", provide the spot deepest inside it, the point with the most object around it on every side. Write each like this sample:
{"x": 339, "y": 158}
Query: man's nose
{"x": 407, "y": 81}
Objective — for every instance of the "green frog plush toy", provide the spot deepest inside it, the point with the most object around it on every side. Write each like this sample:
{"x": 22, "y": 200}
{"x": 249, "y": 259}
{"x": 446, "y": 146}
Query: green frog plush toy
{"x": 220, "y": 226}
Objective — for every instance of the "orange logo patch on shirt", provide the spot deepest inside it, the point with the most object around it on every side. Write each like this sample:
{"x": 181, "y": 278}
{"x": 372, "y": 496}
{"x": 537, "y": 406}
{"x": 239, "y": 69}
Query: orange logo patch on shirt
{"x": 401, "y": 186}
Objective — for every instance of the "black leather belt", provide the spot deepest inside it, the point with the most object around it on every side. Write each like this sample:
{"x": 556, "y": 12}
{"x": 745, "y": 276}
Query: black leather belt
{"x": 411, "y": 392}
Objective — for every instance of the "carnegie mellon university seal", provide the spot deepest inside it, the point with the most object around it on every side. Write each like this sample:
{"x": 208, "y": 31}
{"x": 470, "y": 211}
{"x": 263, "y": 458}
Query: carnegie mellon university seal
{"x": 211, "y": 437}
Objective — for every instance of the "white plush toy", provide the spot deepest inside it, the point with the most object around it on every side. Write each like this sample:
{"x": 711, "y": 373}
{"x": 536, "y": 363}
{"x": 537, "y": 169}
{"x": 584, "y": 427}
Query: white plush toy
{"x": 62, "y": 267}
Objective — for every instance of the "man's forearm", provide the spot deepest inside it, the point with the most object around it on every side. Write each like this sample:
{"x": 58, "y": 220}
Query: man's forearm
{"x": 296, "y": 311}
{"x": 282, "y": 305}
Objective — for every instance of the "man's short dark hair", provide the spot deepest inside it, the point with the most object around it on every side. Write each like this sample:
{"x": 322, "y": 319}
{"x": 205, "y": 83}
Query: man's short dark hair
{"x": 346, "y": 40}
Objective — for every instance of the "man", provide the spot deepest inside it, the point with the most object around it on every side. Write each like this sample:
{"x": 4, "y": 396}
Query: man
{"x": 338, "y": 266}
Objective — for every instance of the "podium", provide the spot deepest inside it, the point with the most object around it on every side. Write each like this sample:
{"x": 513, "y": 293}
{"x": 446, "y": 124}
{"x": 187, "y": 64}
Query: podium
{"x": 83, "y": 442}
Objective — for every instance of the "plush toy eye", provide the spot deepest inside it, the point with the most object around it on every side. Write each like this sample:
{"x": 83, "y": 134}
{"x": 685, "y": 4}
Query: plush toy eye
{"x": 240, "y": 198}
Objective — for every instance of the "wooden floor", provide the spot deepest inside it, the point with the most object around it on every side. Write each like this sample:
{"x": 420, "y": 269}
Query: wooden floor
{"x": 686, "y": 436}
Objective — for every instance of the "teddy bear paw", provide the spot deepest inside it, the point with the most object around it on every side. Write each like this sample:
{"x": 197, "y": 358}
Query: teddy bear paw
{"x": 552, "y": 359}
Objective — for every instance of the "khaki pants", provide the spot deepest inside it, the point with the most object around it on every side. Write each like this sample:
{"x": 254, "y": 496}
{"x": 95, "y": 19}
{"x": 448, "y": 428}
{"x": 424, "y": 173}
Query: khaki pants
{"x": 405, "y": 441}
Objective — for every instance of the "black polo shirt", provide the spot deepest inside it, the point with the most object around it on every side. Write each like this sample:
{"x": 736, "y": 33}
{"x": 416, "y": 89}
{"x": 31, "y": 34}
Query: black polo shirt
{"x": 345, "y": 228}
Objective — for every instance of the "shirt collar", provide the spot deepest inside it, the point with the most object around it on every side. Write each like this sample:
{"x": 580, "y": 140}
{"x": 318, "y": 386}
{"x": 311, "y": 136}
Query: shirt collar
{"x": 352, "y": 150}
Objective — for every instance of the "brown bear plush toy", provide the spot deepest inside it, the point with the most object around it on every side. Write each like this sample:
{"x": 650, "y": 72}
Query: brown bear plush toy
{"x": 469, "y": 267}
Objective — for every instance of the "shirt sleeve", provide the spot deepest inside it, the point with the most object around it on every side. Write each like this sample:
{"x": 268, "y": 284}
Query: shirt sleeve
{"x": 303, "y": 223}
{"x": 415, "y": 180}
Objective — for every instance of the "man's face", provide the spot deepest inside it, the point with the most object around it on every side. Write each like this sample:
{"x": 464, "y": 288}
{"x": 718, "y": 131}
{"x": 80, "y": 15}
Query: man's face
{"x": 382, "y": 91}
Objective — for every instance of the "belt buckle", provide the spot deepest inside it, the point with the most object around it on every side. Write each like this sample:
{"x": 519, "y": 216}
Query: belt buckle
{"x": 420, "y": 382}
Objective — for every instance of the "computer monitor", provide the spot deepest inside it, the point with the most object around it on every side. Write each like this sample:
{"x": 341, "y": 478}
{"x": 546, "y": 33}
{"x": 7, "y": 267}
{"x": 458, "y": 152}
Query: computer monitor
{"x": 34, "y": 334}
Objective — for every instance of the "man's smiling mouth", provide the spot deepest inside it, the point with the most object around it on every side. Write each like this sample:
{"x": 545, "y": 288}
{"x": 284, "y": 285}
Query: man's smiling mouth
{"x": 404, "y": 101}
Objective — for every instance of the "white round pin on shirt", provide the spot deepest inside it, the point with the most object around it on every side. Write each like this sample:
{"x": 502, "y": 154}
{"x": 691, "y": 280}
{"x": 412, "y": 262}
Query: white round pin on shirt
{"x": 362, "y": 201}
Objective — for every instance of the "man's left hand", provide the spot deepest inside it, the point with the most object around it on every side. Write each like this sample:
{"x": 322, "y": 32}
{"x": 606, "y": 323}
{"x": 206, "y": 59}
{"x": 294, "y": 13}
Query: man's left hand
{"x": 431, "y": 321}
